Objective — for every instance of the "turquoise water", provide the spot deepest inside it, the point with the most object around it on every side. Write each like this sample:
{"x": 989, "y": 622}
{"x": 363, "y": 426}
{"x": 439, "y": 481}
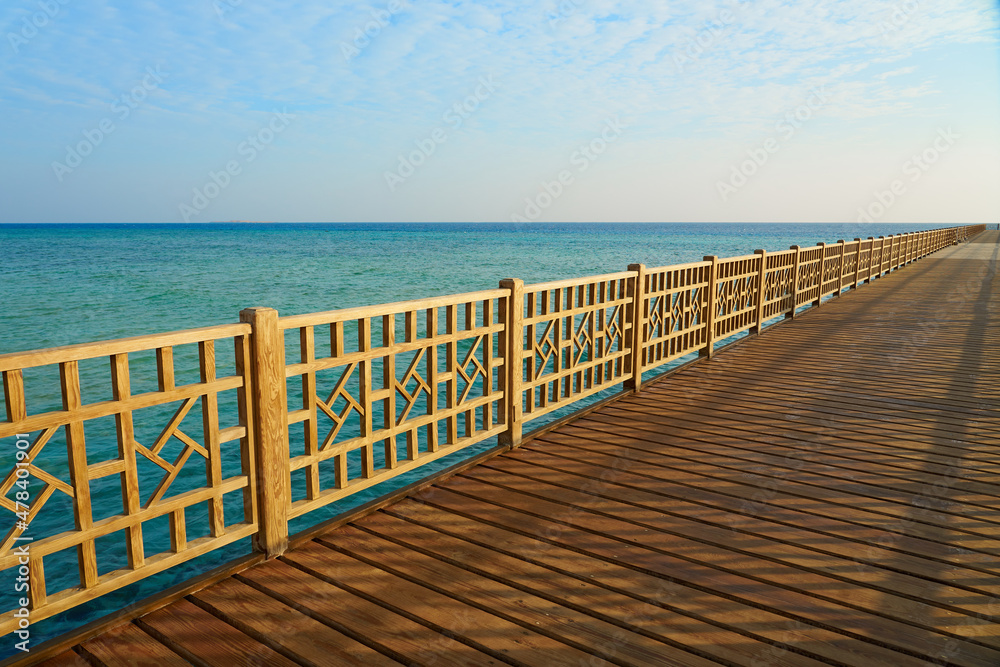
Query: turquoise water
{"x": 65, "y": 284}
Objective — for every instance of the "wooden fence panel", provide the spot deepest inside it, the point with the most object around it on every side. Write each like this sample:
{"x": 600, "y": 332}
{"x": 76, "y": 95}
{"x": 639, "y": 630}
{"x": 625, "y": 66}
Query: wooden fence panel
{"x": 779, "y": 284}
{"x": 675, "y": 303}
{"x": 397, "y": 386}
{"x": 577, "y": 339}
{"x": 810, "y": 272}
{"x": 737, "y": 287}
{"x": 146, "y": 466}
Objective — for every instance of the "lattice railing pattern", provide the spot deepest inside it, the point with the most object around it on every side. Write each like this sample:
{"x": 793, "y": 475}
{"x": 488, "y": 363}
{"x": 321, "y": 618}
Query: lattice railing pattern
{"x": 577, "y": 339}
{"x": 674, "y": 313}
{"x": 298, "y": 412}
{"x": 809, "y": 274}
{"x": 779, "y": 284}
{"x": 420, "y": 381}
{"x": 832, "y": 269}
{"x": 849, "y": 272}
{"x": 71, "y": 453}
{"x": 736, "y": 287}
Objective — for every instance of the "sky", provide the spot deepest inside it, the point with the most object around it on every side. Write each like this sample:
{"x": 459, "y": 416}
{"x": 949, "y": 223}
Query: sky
{"x": 551, "y": 111}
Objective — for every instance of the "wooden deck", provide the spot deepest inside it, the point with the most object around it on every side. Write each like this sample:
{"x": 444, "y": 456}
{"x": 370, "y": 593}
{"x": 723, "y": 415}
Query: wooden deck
{"x": 842, "y": 507}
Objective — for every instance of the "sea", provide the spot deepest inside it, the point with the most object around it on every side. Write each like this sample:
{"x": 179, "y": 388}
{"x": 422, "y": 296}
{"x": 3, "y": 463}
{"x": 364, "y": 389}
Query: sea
{"x": 62, "y": 284}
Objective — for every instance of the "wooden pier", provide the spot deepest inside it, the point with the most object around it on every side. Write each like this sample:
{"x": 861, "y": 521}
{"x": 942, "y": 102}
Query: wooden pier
{"x": 825, "y": 493}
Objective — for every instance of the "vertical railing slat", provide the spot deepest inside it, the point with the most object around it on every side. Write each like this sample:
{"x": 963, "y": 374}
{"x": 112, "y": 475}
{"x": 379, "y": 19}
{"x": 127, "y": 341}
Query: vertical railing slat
{"x": 710, "y": 307}
{"x": 13, "y": 394}
{"x": 69, "y": 376}
{"x": 122, "y": 391}
{"x": 365, "y": 390}
{"x": 310, "y": 427}
{"x": 210, "y": 427}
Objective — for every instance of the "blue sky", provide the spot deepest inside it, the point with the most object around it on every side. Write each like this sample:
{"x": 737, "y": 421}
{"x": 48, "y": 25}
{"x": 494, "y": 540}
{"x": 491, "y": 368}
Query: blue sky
{"x": 571, "y": 110}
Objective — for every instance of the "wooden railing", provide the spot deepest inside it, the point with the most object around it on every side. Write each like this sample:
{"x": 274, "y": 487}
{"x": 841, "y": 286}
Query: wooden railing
{"x": 319, "y": 407}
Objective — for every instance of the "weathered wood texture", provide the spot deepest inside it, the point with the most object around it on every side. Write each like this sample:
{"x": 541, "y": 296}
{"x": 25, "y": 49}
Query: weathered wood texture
{"x": 827, "y": 493}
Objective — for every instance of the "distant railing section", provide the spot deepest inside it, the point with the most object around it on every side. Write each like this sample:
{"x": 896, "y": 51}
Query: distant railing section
{"x": 322, "y": 406}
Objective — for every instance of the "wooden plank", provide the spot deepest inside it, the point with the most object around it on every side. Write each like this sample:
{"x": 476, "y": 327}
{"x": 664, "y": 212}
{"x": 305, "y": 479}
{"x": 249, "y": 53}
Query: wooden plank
{"x": 282, "y": 628}
{"x": 128, "y": 646}
{"x": 734, "y": 481}
{"x": 790, "y": 444}
{"x": 66, "y": 659}
{"x": 891, "y": 507}
{"x": 545, "y": 616}
{"x": 787, "y": 565}
{"x": 600, "y": 541}
{"x": 774, "y": 422}
{"x": 701, "y": 523}
{"x": 362, "y": 619}
{"x": 816, "y": 423}
{"x": 706, "y": 495}
{"x": 471, "y": 625}
{"x": 665, "y": 632}
{"x": 203, "y": 639}
{"x": 563, "y": 572}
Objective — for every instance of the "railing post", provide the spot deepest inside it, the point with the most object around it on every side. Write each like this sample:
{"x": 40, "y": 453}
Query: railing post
{"x": 710, "y": 306}
{"x": 634, "y": 383}
{"x": 857, "y": 264}
{"x": 795, "y": 281}
{"x": 871, "y": 259}
{"x": 761, "y": 277}
{"x": 513, "y": 365}
{"x": 267, "y": 396}
{"x": 881, "y": 255}
{"x": 822, "y": 273}
{"x": 840, "y": 273}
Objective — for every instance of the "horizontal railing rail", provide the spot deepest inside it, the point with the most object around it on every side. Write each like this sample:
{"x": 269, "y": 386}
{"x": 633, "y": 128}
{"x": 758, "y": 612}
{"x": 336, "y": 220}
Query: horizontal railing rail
{"x": 310, "y": 409}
